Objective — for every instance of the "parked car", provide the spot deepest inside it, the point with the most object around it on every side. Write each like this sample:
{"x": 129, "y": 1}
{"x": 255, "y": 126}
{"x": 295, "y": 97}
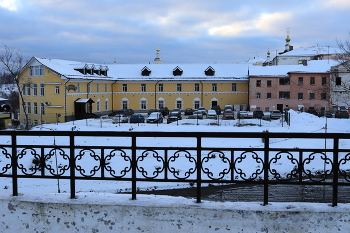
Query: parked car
{"x": 211, "y": 118}
{"x": 164, "y": 111}
{"x": 312, "y": 111}
{"x": 258, "y": 114}
{"x": 174, "y": 116}
{"x": 155, "y": 117}
{"x": 217, "y": 109}
{"x": 342, "y": 114}
{"x": 189, "y": 111}
{"x": 203, "y": 110}
{"x": 212, "y": 113}
{"x": 91, "y": 115}
{"x": 192, "y": 117}
{"x": 275, "y": 114}
{"x": 228, "y": 106}
{"x": 129, "y": 111}
{"x": 118, "y": 112}
{"x": 228, "y": 115}
{"x": 137, "y": 118}
{"x": 120, "y": 119}
{"x": 198, "y": 114}
{"x": 151, "y": 111}
{"x": 328, "y": 114}
{"x": 243, "y": 114}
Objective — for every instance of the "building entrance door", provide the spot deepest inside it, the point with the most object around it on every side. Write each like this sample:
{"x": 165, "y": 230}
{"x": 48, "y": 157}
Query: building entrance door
{"x": 280, "y": 107}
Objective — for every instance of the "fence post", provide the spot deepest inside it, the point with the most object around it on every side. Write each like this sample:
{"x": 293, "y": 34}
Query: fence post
{"x": 14, "y": 165}
{"x": 335, "y": 172}
{"x": 72, "y": 165}
{"x": 133, "y": 168}
{"x": 266, "y": 169}
{"x": 199, "y": 169}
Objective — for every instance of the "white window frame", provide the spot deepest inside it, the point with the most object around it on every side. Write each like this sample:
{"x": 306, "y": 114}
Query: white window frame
{"x": 35, "y": 89}
{"x": 160, "y": 87}
{"x": 143, "y": 87}
{"x": 42, "y": 109}
{"x": 125, "y": 87}
{"x": 42, "y": 89}
{"x": 196, "y": 87}
{"x": 143, "y": 104}
{"x": 234, "y": 87}
{"x": 36, "y": 70}
{"x": 124, "y": 104}
{"x": 57, "y": 89}
{"x": 214, "y": 87}
{"x": 35, "y": 108}
{"x": 28, "y": 89}
{"x": 97, "y": 87}
{"x": 106, "y": 87}
{"x": 178, "y": 87}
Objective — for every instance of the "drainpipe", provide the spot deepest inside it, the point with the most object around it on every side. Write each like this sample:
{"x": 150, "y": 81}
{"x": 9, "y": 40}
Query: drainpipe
{"x": 155, "y": 94}
{"x": 202, "y": 100}
{"x": 113, "y": 95}
{"x": 65, "y": 99}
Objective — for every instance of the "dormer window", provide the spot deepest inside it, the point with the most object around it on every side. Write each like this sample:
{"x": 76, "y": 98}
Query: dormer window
{"x": 209, "y": 71}
{"x": 177, "y": 71}
{"x": 92, "y": 69}
{"x": 145, "y": 71}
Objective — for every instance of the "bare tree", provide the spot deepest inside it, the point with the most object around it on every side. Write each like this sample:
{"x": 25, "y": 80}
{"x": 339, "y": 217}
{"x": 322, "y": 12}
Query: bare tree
{"x": 13, "y": 62}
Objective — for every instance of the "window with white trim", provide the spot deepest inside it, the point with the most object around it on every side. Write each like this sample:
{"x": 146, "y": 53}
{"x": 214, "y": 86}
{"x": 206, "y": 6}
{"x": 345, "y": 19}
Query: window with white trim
{"x": 36, "y": 70}
{"x": 57, "y": 90}
{"x": 160, "y": 87}
{"x": 214, "y": 87}
{"x": 106, "y": 105}
{"x": 35, "y": 89}
{"x": 234, "y": 87}
{"x": 124, "y": 104}
{"x": 125, "y": 87}
{"x": 106, "y": 87}
{"x": 196, "y": 87}
{"x": 143, "y": 105}
{"x": 42, "y": 89}
{"x": 35, "y": 108}
{"x": 178, "y": 87}
{"x": 143, "y": 87}
{"x": 97, "y": 87}
{"x": 42, "y": 109}
{"x": 28, "y": 89}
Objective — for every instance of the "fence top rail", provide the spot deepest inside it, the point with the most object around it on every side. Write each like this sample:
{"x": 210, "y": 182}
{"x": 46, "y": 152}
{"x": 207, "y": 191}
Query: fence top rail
{"x": 177, "y": 134}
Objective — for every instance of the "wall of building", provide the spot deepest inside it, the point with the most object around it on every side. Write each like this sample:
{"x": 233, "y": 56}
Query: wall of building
{"x": 117, "y": 213}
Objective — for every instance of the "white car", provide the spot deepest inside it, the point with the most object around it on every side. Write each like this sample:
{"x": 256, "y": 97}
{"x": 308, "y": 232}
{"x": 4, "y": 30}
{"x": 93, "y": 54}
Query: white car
{"x": 198, "y": 114}
{"x": 275, "y": 114}
{"x": 203, "y": 110}
{"x": 120, "y": 119}
{"x": 212, "y": 113}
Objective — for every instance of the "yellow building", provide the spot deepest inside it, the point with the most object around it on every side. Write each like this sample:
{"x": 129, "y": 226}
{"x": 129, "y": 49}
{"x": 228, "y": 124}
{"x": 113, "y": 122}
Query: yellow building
{"x": 59, "y": 90}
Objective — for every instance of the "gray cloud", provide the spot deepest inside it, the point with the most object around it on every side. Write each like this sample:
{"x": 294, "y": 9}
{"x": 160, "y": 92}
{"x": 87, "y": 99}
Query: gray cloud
{"x": 185, "y": 31}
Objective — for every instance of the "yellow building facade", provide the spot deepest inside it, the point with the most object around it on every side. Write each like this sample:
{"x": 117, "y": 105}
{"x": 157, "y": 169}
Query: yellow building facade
{"x": 59, "y": 90}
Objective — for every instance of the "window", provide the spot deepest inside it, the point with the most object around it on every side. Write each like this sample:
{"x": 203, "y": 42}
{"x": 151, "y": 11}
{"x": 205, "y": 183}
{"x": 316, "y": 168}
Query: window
{"x": 160, "y": 104}
{"x": 284, "y": 95}
{"x": 160, "y": 87}
{"x": 258, "y": 83}
{"x": 323, "y": 96}
{"x": 338, "y": 81}
{"x": 267, "y": 109}
{"x": 97, "y": 106}
{"x": 42, "y": 109}
{"x": 35, "y": 89}
{"x": 209, "y": 71}
{"x": 37, "y": 70}
{"x": 143, "y": 105}
{"x": 28, "y": 89}
{"x": 196, "y": 104}
{"x": 23, "y": 89}
{"x": 268, "y": 83}
{"x": 179, "y": 104}
{"x": 106, "y": 105}
{"x": 312, "y": 80}
{"x": 88, "y": 88}
{"x": 301, "y": 81}
{"x": 268, "y": 95}
{"x": 125, "y": 104}
{"x": 312, "y": 96}
{"x": 57, "y": 90}
{"x": 300, "y": 96}
{"x": 78, "y": 87}
{"x": 42, "y": 89}
{"x": 29, "y": 108}
{"x": 324, "y": 80}
{"x": 35, "y": 108}
{"x": 258, "y": 95}
{"x": 214, "y": 87}
{"x": 97, "y": 87}
{"x": 125, "y": 88}
{"x": 284, "y": 81}
{"x": 178, "y": 87}
{"x": 196, "y": 87}
{"x": 234, "y": 87}
{"x": 143, "y": 87}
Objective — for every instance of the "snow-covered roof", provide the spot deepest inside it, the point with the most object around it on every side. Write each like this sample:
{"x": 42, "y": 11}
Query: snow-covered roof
{"x": 314, "y": 66}
{"x": 229, "y": 71}
{"x": 313, "y": 51}
{"x": 158, "y": 71}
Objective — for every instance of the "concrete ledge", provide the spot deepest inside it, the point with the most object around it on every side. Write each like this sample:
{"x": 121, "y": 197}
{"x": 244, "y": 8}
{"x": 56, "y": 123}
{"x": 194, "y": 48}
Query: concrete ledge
{"x": 98, "y": 212}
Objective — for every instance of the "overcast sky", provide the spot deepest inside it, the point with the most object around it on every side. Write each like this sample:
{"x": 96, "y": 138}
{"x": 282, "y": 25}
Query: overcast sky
{"x": 186, "y": 31}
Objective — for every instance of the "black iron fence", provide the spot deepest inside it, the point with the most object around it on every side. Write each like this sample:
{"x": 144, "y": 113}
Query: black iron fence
{"x": 200, "y": 158}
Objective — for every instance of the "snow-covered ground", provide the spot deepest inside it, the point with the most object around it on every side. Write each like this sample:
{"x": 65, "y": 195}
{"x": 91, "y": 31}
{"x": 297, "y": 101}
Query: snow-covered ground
{"x": 300, "y": 122}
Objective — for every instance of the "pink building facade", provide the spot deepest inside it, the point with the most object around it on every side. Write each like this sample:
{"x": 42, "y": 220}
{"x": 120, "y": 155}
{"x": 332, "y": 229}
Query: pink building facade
{"x": 295, "y": 90}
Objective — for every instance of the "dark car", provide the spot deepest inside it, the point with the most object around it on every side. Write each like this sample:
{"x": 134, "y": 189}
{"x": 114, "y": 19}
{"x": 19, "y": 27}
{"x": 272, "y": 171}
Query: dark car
{"x": 129, "y": 111}
{"x": 91, "y": 115}
{"x": 328, "y": 114}
{"x": 118, "y": 112}
{"x": 258, "y": 114}
{"x": 164, "y": 111}
{"x": 137, "y": 118}
{"x": 174, "y": 116}
{"x": 152, "y": 110}
{"x": 342, "y": 114}
{"x": 228, "y": 115}
{"x": 217, "y": 109}
{"x": 189, "y": 111}
{"x": 155, "y": 117}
